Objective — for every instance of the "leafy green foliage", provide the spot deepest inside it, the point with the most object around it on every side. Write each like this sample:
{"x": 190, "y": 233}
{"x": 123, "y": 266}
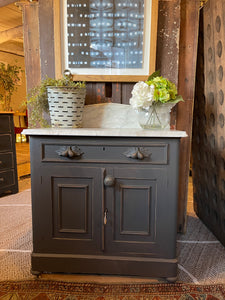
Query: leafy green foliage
{"x": 38, "y": 99}
{"x": 164, "y": 90}
{"x": 9, "y": 77}
{"x": 153, "y": 75}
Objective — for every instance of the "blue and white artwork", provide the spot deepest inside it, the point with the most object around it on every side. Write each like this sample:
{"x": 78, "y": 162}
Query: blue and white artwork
{"x": 105, "y": 34}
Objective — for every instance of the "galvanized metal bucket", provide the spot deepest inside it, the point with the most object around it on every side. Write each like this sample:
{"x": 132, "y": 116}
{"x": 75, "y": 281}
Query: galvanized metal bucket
{"x": 66, "y": 106}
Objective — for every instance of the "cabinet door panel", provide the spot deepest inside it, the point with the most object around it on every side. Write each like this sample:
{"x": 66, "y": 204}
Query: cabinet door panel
{"x": 133, "y": 204}
{"x": 72, "y": 199}
{"x": 72, "y": 219}
{"x": 134, "y": 208}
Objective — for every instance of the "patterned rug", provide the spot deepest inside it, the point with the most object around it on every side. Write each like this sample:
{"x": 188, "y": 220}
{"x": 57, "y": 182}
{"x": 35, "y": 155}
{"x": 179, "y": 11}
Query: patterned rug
{"x": 201, "y": 257}
{"x": 52, "y": 290}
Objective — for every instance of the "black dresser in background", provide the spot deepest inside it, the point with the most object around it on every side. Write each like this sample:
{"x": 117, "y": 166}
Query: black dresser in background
{"x": 8, "y": 167}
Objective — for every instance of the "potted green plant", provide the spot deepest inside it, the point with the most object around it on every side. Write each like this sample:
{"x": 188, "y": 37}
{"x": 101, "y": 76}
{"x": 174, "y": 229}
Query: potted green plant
{"x": 9, "y": 78}
{"x": 63, "y": 99}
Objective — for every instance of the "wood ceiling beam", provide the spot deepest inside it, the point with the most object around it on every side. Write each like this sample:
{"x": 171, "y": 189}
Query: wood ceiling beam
{"x": 10, "y": 34}
{"x": 12, "y": 51}
{"x": 12, "y": 47}
{"x": 6, "y": 2}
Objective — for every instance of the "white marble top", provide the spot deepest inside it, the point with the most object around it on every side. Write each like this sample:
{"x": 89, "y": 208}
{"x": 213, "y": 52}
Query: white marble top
{"x": 107, "y": 119}
{"x": 109, "y": 115}
{"x": 116, "y": 132}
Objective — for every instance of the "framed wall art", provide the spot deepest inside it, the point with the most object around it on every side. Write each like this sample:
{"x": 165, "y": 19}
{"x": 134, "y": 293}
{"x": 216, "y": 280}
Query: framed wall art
{"x": 108, "y": 40}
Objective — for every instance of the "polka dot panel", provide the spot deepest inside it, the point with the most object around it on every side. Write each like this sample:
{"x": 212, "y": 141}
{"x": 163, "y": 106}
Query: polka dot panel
{"x": 209, "y": 129}
{"x": 219, "y": 49}
{"x": 212, "y": 140}
{"x": 222, "y": 164}
{"x": 218, "y": 23}
{"x": 211, "y": 77}
{"x": 215, "y": 200}
{"x": 204, "y": 120}
{"x": 220, "y": 73}
{"x": 212, "y": 120}
{"x": 221, "y": 120}
{"x": 208, "y": 31}
{"x": 210, "y": 54}
{"x": 221, "y": 97}
{"x": 221, "y": 143}
{"x": 213, "y": 161}
{"x": 205, "y": 140}
{"x": 211, "y": 98}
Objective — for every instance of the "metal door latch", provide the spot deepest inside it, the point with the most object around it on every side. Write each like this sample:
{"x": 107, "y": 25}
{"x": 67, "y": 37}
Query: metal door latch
{"x": 105, "y": 216}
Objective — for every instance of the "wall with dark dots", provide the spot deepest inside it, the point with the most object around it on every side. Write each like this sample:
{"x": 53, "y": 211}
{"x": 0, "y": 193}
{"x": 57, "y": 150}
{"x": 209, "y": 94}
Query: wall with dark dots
{"x": 208, "y": 144}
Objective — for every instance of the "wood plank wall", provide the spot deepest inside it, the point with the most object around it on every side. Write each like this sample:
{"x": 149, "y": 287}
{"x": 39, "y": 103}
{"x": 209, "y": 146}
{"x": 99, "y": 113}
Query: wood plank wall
{"x": 173, "y": 59}
{"x": 31, "y": 43}
{"x": 168, "y": 34}
{"x": 186, "y": 85}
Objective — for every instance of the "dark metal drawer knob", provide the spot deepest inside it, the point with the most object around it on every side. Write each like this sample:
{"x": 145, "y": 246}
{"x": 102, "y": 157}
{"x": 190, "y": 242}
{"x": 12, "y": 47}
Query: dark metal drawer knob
{"x": 70, "y": 152}
{"x": 136, "y": 154}
{"x": 109, "y": 180}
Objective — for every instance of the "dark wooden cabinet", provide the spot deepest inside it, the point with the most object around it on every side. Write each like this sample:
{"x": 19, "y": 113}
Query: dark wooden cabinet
{"x": 8, "y": 167}
{"x": 104, "y": 205}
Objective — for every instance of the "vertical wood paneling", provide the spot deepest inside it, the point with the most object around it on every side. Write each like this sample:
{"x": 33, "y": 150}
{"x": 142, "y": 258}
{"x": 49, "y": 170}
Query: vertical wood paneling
{"x": 187, "y": 68}
{"x": 46, "y": 27}
{"x": 116, "y": 92}
{"x": 167, "y": 54}
{"x": 100, "y": 92}
{"x": 126, "y": 92}
{"x": 96, "y": 93}
{"x": 90, "y": 99}
{"x": 57, "y": 39}
{"x": 31, "y": 43}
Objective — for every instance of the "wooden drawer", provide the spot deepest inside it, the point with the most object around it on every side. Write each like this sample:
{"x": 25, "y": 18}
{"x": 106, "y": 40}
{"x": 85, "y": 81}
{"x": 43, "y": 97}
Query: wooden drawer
{"x": 6, "y": 161}
{"x": 5, "y": 142}
{"x": 5, "y": 124}
{"x": 7, "y": 178}
{"x": 155, "y": 153}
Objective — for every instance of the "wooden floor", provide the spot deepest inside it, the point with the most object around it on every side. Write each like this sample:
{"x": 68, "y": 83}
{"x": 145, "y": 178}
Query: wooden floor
{"x": 23, "y": 165}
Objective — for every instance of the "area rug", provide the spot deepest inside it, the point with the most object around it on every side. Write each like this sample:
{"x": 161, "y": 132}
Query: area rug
{"x": 201, "y": 257}
{"x": 52, "y": 290}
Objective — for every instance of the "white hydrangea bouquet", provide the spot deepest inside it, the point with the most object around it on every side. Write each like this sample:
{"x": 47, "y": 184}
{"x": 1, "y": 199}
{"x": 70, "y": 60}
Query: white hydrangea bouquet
{"x": 153, "y": 101}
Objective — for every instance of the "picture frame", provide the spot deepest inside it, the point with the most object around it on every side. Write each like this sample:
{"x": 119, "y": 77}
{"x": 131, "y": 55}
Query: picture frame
{"x": 107, "y": 40}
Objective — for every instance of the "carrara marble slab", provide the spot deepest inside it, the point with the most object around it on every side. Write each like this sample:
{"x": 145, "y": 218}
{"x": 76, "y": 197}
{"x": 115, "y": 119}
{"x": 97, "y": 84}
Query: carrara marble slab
{"x": 107, "y": 119}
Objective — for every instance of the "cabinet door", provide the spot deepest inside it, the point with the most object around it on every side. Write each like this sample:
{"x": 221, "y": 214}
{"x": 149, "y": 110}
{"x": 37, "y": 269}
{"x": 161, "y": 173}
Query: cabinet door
{"x": 133, "y": 217}
{"x": 67, "y": 210}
